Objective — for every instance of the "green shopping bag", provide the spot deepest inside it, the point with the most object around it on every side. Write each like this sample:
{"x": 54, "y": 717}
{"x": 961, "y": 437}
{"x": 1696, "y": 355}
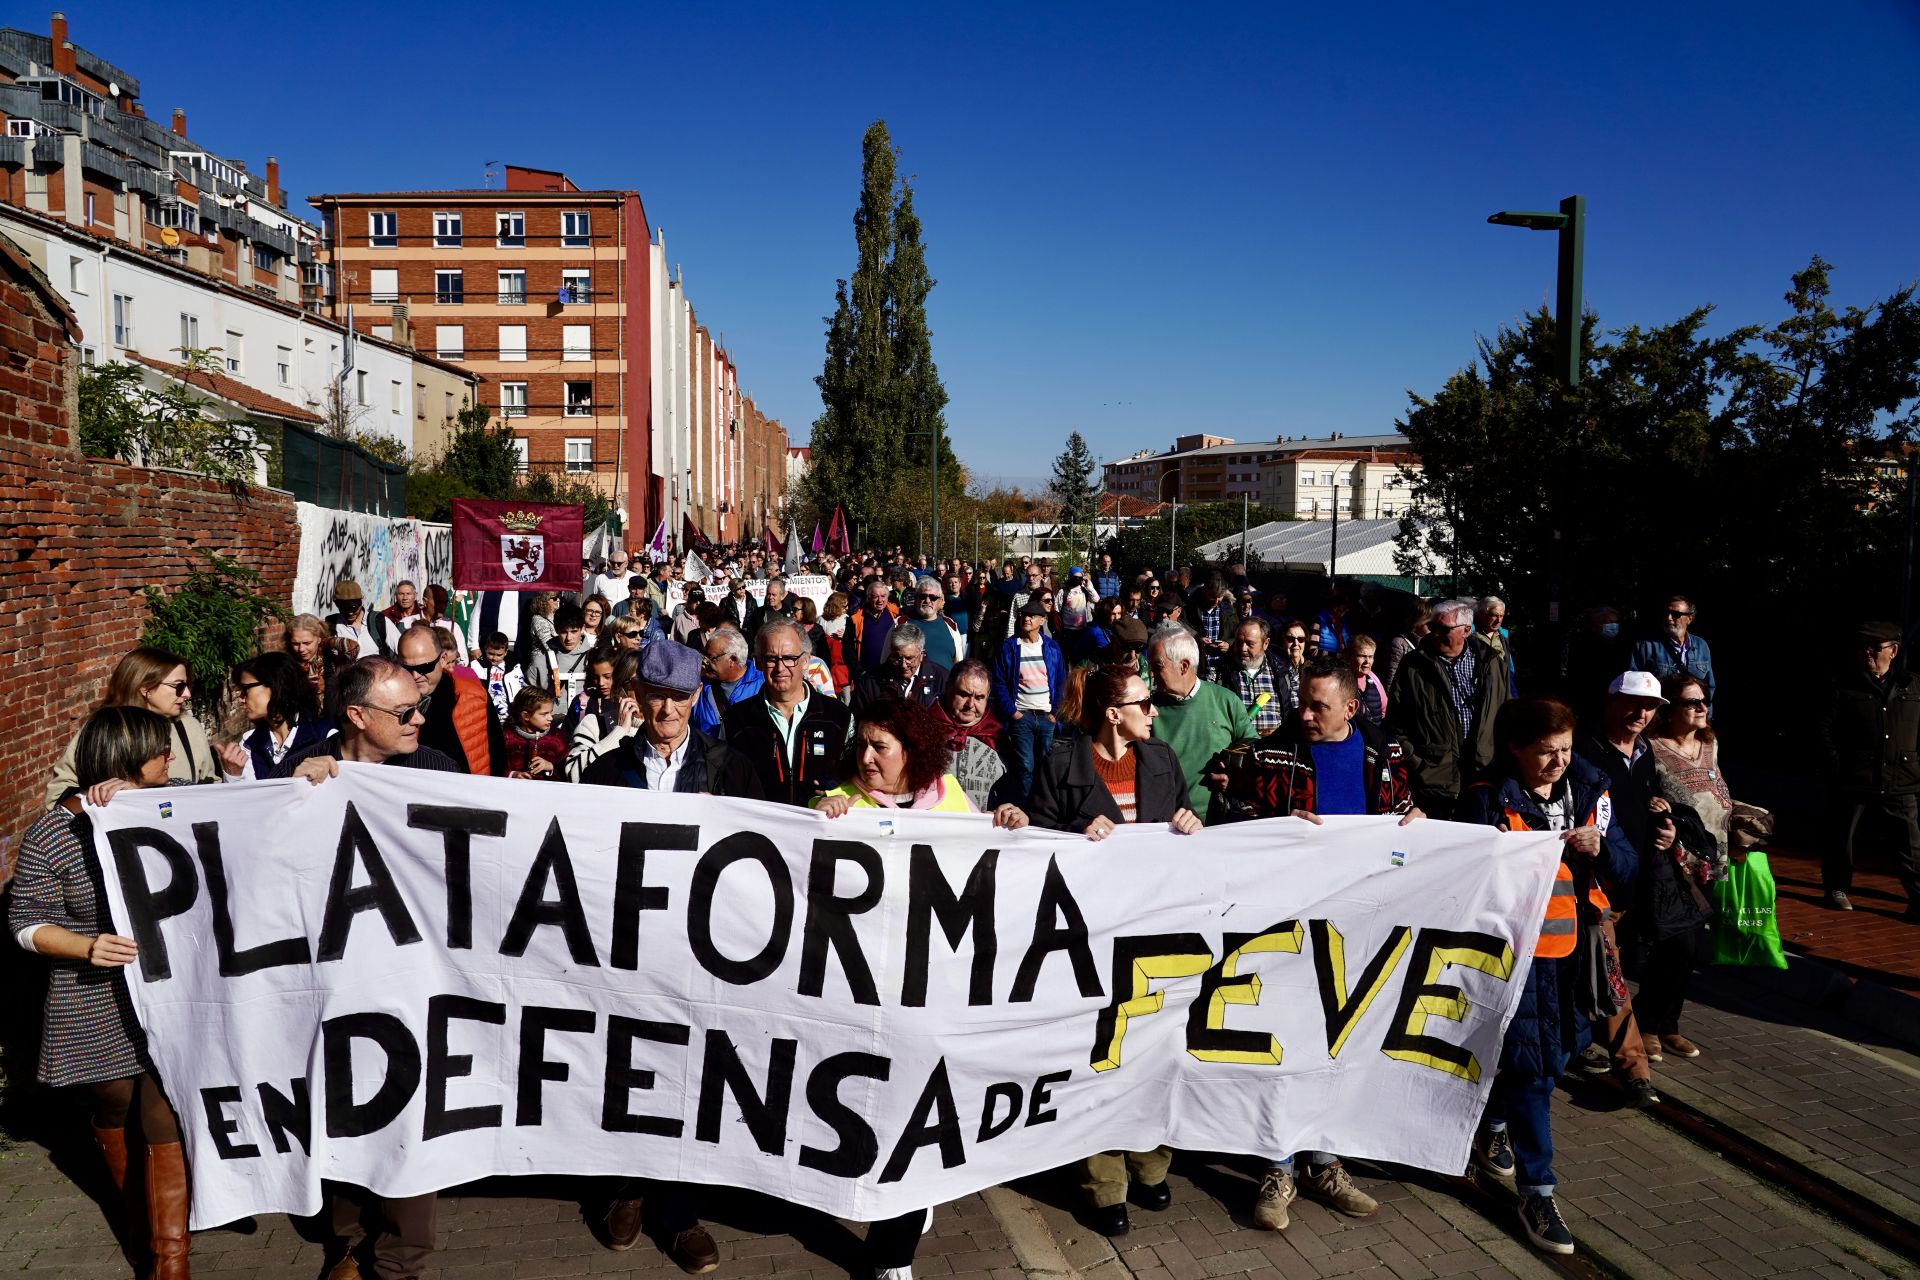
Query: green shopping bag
{"x": 1745, "y": 931}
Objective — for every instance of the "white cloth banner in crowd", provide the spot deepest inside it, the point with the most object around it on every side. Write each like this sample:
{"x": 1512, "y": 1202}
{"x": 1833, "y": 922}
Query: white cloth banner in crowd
{"x": 377, "y": 552}
{"x": 407, "y": 980}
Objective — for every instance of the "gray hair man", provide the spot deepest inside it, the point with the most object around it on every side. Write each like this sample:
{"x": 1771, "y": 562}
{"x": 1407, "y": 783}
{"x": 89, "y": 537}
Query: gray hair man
{"x": 1444, "y": 698}
{"x": 1196, "y": 717}
{"x": 907, "y": 674}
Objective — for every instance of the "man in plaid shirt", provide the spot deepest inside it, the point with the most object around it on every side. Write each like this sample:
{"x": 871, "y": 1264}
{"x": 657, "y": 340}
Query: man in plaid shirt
{"x": 1270, "y": 688}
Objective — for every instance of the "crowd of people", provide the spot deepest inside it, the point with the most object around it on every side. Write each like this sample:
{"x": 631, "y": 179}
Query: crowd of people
{"x": 1074, "y": 700}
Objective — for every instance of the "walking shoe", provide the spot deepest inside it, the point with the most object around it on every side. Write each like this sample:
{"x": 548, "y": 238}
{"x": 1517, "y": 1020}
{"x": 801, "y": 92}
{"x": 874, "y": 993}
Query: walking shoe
{"x": 1652, "y": 1046}
{"x": 1836, "y": 901}
{"x": 894, "y": 1273}
{"x": 1594, "y": 1060}
{"x": 623, "y": 1225}
{"x": 694, "y": 1252}
{"x": 1270, "y": 1205}
{"x": 1111, "y": 1221}
{"x": 1681, "y": 1045}
{"x": 1332, "y": 1187}
{"x": 1151, "y": 1195}
{"x": 1545, "y": 1227}
{"x": 1493, "y": 1154}
{"x": 1640, "y": 1093}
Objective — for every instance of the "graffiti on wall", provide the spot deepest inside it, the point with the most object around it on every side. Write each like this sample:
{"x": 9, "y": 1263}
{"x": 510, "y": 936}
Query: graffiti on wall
{"x": 376, "y": 552}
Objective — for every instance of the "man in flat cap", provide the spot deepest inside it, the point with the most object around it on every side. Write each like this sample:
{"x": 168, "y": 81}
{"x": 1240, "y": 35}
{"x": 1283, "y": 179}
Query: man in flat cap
{"x": 1870, "y": 738}
{"x": 669, "y": 754}
{"x": 354, "y": 632}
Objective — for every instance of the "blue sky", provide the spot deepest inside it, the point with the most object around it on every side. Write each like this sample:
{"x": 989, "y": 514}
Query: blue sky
{"x": 1145, "y": 220}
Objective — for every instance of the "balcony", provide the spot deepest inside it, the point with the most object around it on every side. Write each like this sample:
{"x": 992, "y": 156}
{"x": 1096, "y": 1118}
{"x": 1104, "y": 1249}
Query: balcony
{"x": 575, "y": 295}
{"x": 512, "y": 297}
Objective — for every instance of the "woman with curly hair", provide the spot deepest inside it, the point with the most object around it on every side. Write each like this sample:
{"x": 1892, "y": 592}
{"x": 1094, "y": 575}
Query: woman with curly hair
{"x": 901, "y": 761}
{"x": 280, "y": 705}
{"x": 317, "y": 650}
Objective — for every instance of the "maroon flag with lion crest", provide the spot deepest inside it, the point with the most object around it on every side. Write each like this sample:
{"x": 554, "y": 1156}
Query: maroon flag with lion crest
{"x": 517, "y": 546}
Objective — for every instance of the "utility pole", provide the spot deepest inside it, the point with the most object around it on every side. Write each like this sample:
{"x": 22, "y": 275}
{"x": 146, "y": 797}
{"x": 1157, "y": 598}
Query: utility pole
{"x": 1333, "y": 553}
{"x": 1245, "y": 503}
{"x": 1906, "y": 570}
{"x": 1173, "y": 537}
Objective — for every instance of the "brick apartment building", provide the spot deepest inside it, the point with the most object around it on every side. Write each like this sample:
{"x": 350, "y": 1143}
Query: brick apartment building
{"x": 558, "y": 300}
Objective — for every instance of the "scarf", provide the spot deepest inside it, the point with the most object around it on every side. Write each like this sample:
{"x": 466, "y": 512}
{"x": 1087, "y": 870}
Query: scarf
{"x": 834, "y": 627}
{"x": 925, "y": 798}
{"x": 987, "y": 729}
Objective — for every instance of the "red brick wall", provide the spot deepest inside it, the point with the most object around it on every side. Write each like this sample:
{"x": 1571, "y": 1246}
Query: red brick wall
{"x": 79, "y": 539}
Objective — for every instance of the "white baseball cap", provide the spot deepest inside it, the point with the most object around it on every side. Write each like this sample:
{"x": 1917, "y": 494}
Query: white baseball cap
{"x": 1638, "y": 684}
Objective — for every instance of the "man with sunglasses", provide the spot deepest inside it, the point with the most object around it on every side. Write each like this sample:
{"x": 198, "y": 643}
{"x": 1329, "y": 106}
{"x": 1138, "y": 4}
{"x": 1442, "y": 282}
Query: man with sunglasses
{"x": 944, "y": 646}
{"x": 459, "y": 721}
{"x": 352, "y": 629}
{"x": 1869, "y": 736}
{"x": 380, "y": 717}
{"x": 1676, "y": 649}
{"x": 796, "y": 741}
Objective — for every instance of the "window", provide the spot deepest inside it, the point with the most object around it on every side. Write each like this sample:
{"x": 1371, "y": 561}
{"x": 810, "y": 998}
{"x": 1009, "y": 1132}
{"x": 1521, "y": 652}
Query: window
{"x": 264, "y": 257}
{"x": 383, "y": 331}
{"x": 383, "y": 230}
{"x": 420, "y": 401}
{"x": 576, "y": 285}
{"x": 283, "y": 363}
{"x": 397, "y": 396}
{"x": 579, "y": 453}
{"x": 513, "y": 342}
{"x": 520, "y": 447}
{"x": 359, "y": 386}
{"x": 574, "y": 230}
{"x": 510, "y": 230}
{"x": 450, "y": 410}
{"x": 579, "y": 399}
{"x": 189, "y": 331}
{"x": 122, "y": 320}
{"x": 513, "y": 400}
{"x": 449, "y": 288}
{"x": 446, "y": 230}
{"x": 79, "y": 277}
{"x": 386, "y": 285}
{"x": 90, "y": 218}
{"x": 235, "y": 350}
{"x": 450, "y": 341}
{"x": 1326, "y": 477}
{"x": 513, "y": 288}
{"x": 89, "y": 356}
{"x": 576, "y": 342}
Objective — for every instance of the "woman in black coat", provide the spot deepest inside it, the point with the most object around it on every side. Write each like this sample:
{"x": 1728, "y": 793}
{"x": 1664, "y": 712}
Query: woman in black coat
{"x": 1114, "y": 772}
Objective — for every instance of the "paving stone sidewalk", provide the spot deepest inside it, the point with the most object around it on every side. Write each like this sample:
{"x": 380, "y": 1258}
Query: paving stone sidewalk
{"x": 1647, "y": 1199}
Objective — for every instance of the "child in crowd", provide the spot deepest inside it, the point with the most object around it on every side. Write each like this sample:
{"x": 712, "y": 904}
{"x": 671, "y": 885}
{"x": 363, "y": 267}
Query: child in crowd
{"x": 503, "y": 681}
{"x": 535, "y": 748}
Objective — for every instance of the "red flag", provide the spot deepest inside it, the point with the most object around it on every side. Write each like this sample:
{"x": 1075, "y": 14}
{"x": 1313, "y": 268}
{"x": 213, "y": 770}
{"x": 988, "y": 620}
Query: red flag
{"x": 837, "y": 540}
{"x": 517, "y": 546}
{"x": 769, "y": 543}
{"x": 691, "y": 537}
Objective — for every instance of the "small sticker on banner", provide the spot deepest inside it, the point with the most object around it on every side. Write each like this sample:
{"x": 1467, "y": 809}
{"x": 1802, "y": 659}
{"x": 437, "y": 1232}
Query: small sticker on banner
{"x": 1397, "y": 859}
{"x": 166, "y": 808}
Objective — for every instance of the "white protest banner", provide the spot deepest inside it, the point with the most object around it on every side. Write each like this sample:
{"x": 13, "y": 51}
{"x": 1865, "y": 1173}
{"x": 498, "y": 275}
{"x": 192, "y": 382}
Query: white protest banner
{"x": 408, "y": 980}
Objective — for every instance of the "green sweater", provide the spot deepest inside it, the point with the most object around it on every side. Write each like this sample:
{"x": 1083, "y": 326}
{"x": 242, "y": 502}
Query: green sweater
{"x": 1199, "y": 727}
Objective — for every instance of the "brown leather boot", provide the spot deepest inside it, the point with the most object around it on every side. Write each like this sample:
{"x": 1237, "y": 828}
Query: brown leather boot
{"x": 133, "y": 1219}
{"x": 167, "y": 1210}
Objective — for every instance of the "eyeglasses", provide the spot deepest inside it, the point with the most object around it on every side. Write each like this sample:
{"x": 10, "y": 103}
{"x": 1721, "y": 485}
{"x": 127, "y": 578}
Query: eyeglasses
{"x": 780, "y": 659}
{"x": 348, "y": 606}
{"x": 179, "y": 687}
{"x": 1691, "y": 704}
{"x": 248, "y": 686}
{"x": 422, "y": 668}
{"x": 929, "y": 595}
{"x": 1679, "y": 613}
{"x": 404, "y": 714}
{"x": 1137, "y": 702}
{"x": 1290, "y": 641}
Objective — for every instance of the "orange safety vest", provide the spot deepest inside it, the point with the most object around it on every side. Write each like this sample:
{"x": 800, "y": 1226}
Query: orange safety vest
{"x": 1562, "y": 922}
{"x": 470, "y": 722}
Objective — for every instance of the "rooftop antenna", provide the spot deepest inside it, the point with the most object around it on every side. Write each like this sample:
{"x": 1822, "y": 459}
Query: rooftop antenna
{"x": 491, "y": 175}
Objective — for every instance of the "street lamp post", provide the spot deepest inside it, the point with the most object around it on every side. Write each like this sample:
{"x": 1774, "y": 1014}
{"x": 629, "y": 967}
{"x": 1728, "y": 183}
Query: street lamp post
{"x": 1571, "y": 224}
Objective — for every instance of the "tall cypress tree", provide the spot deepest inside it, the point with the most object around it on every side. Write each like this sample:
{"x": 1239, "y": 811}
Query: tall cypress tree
{"x": 879, "y": 386}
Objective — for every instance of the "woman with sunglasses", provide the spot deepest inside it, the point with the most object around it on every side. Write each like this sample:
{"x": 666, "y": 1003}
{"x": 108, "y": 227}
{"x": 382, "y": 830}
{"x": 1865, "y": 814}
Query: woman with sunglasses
{"x": 55, "y": 912}
{"x": 1114, "y": 772}
{"x": 1686, "y": 763}
{"x": 156, "y": 680}
{"x": 279, "y": 704}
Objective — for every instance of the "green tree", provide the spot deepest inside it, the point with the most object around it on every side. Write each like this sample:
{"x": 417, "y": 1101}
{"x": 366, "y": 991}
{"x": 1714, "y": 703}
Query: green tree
{"x": 1735, "y": 467}
{"x": 174, "y": 426}
{"x": 1074, "y": 494}
{"x": 213, "y": 622}
{"x": 883, "y": 403}
{"x": 112, "y": 418}
{"x": 481, "y": 453}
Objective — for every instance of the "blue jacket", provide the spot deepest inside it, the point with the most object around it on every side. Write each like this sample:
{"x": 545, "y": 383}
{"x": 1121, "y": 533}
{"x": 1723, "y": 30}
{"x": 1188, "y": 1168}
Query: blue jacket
{"x": 1006, "y": 675}
{"x": 707, "y": 711}
{"x": 1540, "y": 1039}
{"x": 1655, "y": 654}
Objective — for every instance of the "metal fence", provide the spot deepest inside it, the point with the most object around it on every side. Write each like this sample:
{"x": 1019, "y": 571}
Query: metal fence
{"x": 333, "y": 473}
